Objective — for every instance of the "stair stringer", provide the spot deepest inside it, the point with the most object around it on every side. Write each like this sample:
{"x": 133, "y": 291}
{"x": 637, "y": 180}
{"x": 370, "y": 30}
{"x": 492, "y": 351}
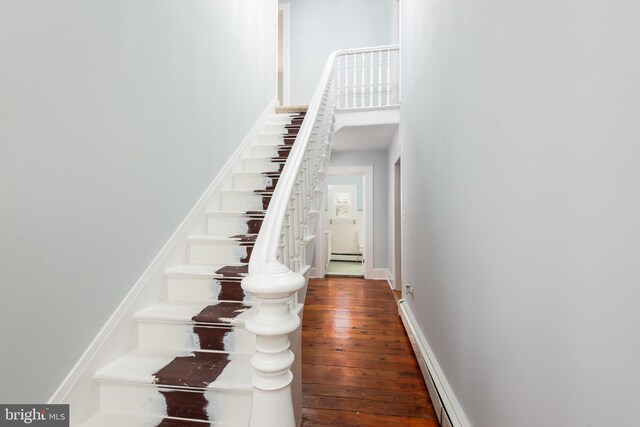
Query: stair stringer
{"x": 119, "y": 334}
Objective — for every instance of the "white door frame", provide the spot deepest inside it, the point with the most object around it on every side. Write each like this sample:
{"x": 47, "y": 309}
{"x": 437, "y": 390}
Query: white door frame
{"x": 285, "y": 8}
{"x": 367, "y": 174}
{"x": 397, "y": 226}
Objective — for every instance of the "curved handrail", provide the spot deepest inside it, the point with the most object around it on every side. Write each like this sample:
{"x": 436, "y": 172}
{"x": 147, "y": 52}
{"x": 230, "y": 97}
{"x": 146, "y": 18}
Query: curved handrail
{"x": 367, "y": 49}
{"x": 266, "y": 246}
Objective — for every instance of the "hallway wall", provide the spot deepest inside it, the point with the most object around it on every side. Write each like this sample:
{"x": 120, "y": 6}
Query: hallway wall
{"x": 320, "y": 27}
{"x": 114, "y": 118}
{"x": 521, "y": 172}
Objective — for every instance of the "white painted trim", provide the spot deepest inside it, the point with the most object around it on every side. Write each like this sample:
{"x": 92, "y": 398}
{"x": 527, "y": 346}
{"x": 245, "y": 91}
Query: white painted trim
{"x": 390, "y": 280}
{"x": 149, "y": 286}
{"x": 367, "y": 173}
{"x": 286, "y": 52}
{"x": 433, "y": 372}
{"x": 379, "y": 274}
{"x": 346, "y": 117}
{"x": 394, "y": 156}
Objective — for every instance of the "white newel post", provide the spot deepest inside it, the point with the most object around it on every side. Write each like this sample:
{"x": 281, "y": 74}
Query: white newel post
{"x": 273, "y": 287}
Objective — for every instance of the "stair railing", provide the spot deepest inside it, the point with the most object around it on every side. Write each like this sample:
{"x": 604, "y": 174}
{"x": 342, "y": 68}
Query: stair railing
{"x": 280, "y": 259}
{"x": 368, "y": 78}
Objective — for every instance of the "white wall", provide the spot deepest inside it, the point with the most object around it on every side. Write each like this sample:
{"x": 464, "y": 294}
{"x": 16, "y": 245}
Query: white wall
{"x": 320, "y": 27}
{"x": 377, "y": 159}
{"x": 521, "y": 162}
{"x": 114, "y": 118}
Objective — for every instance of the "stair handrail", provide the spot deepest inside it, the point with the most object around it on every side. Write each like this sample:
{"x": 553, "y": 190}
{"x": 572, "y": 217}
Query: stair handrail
{"x": 267, "y": 244}
{"x": 279, "y": 260}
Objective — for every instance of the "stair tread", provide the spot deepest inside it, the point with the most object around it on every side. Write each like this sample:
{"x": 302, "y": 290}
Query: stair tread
{"x": 237, "y": 213}
{"x": 271, "y": 143}
{"x": 111, "y": 419}
{"x": 256, "y": 192}
{"x": 209, "y": 270}
{"x": 215, "y": 313}
{"x": 214, "y": 238}
{"x": 265, "y": 159}
{"x": 140, "y": 366}
{"x": 258, "y": 174}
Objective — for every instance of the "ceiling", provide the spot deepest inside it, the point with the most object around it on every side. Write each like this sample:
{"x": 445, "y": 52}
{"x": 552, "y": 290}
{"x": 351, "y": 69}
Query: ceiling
{"x": 362, "y": 138}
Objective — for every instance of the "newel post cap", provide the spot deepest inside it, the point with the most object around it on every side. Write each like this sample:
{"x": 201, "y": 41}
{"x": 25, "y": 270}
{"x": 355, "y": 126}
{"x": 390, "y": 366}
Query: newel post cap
{"x": 274, "y": 279}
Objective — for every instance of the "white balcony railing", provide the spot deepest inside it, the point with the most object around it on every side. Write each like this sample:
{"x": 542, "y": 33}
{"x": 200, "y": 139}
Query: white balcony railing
{"x": 367, "y": 78}
{"x": 280, "y": 261}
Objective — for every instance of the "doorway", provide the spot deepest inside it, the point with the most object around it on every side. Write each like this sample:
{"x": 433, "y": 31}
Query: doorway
{"x": 343, "y": 221}
{"x": 364, "y": 251}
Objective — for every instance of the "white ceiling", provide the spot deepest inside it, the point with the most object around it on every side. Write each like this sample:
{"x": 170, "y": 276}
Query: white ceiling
{"x": 362, "y": 138}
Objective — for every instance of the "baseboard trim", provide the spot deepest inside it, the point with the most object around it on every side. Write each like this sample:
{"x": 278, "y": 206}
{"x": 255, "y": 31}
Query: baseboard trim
{"x": 379, "y": 274}
{"x": 390, "y": 279}
{"x": 84, "y": 368}
{"x": 443, "y": 397}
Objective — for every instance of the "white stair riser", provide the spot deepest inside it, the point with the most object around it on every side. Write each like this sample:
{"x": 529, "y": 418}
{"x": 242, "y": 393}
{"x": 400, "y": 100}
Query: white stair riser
{"x": 224, "y": 405}
{"x": 216, "y": 253}
{"x": 256, "y": 164}
{"x": 195, "y": 289}
{"x": 270, "y": 138}
{"x": 280, "y": 119}
{"x": 251, "y": 182}
{"x": 228, "y": 225}
{"x": 232, "y": 201}
{"x": 182, "y": 336}
{"x": 264, "y": 150}
{"x": 274, "y": 128}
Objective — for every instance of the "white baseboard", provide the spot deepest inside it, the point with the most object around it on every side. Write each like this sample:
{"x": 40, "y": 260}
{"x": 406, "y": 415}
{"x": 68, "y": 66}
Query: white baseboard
{"x": 390, "y": 280}
{"x": 444, "y": 400}
{"x": 376, "y": 274}
{"x": 379, "y": 274}
{"x": 117, "y": 336}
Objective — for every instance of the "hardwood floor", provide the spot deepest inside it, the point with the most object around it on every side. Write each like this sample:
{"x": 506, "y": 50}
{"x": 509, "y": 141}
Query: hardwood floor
{"x": 358, "y": 368}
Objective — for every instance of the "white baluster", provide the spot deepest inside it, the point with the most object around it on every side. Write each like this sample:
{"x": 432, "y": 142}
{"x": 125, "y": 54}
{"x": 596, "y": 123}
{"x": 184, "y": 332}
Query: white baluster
{"x": 379, "y": 78}
{"x": 286, "y": 248}
{"x": 388, "y": 77}
{"x": 355, "y": 80}
{"x": 346, "y": 81}
{"x": 273, "y": 287}
{"x": 371, "y": 80}
{"x": 363, "y": 82}
{"x": 292, "y": 237}
{"x": 338, "y": 67}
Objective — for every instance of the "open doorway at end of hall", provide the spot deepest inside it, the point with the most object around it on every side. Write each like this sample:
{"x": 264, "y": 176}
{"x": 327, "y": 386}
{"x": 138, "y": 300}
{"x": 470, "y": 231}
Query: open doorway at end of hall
{"x": 343, "y": 224}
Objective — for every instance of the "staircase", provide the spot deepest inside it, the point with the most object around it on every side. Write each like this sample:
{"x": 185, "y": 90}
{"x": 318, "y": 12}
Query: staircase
{"x": 192, "y": 366}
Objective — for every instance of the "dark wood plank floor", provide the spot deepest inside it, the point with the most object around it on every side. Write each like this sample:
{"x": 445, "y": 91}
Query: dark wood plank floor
{"x": 358, "y": 368}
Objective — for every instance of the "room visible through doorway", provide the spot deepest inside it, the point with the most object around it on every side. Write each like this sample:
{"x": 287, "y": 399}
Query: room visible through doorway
{"x": 344, "y": 226}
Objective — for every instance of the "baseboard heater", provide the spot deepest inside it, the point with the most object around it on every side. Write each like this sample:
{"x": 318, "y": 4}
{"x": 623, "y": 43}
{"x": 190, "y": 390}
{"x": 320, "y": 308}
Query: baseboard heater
{"x": 444, "y": 407}
{"x": 346, "y": 257}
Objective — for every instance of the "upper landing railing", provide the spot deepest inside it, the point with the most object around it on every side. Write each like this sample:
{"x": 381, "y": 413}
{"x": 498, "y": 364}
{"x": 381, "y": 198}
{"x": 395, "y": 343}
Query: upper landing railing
{"x": 360, "y": 78}
{"x": 367, "y": 78}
